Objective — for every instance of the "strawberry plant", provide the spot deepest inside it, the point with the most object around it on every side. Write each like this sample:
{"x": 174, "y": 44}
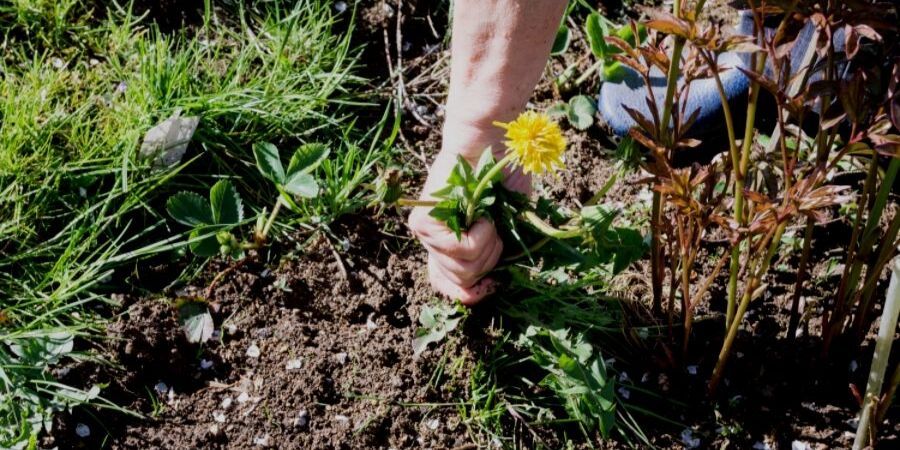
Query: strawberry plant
{"x": 579, "y": 111}
{"x": 213, "y": 220}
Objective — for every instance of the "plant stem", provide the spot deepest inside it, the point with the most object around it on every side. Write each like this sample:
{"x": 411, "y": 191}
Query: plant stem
{"x": 867, "y": 241}
{"x": 550, "y": 230}
{"x": 590, "y": 71}
{"x": 697, "y": 296}
{"x": 838, "y": 307}
{"x": 656, "y": 270}
{"x": 672, "y": 84}
{"x": 889, "y": 393}
{"x": 726, "y": 110}
{"x": 416, "y": 203}
{"x": 739, "y": 180}
{"x": 749, "y": 290}
{"x": 873, "y": 273}
{"x": 883, "y": 343}
{"x": 483, "y": 184}
{"x": 271, "y": 220}
{"x": 801, "y": 276}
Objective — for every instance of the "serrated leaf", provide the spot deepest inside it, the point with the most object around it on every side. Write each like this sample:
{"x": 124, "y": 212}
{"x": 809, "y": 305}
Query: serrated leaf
{"x": 461, "y": 174}
{"x": 448, "y": 212}
{"x": 485, "y": 163}
{"x": 42, "y": 349}
{"x": 581, "y": 112}
{"x": 558, "y": 111}
{"x": 630, "y": 248}
{"x": 443, "y": 192}
{"x": 307, "y": 158}
{"x": 561, "y": 43}
{"x": 189, "y": 208}
{"x": 596, "y": 31}
{"x": 437, "y": 321}
{"x": 196, "y": 321}
{"x": 205, "y": 247}
{"x": 226, "y": 204}
{"x": 302, "y": 184}
{"x": 268, "y": 161}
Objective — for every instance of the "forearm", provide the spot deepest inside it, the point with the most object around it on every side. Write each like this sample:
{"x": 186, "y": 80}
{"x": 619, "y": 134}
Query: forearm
{"x": 498, "y": 53}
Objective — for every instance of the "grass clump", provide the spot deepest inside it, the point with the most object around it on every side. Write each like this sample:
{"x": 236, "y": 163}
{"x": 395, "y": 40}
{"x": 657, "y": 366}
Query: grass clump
{"x": 80, "y": 86}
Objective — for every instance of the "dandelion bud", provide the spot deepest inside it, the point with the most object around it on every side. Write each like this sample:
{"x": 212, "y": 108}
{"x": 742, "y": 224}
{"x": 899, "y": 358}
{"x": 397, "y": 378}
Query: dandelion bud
{"x": 387, "y": 188}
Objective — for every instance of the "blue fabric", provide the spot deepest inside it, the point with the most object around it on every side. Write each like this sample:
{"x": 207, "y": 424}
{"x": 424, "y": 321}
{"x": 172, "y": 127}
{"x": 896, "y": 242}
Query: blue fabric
{"x": 703, "y": 96}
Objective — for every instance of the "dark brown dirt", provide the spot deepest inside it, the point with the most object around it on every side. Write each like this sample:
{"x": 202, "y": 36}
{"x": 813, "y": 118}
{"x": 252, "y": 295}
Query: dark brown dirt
{"x": 357, "y": 385}
{"x": 334, "y": 367}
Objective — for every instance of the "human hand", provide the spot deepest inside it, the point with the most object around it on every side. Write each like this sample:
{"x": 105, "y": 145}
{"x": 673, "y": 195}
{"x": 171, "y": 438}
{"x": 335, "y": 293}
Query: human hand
{"x": 456, "y": 265}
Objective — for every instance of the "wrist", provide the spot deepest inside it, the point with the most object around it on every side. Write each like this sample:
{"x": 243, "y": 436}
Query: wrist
{"x": 470, "y": 138}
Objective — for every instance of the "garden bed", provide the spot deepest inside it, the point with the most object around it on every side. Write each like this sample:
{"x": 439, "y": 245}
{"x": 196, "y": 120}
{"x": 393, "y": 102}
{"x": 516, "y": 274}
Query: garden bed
{"x": 313, "y": 342}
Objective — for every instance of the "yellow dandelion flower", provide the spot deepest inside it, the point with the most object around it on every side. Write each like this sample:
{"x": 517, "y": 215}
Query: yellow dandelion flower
{"x": 535, "y": 142}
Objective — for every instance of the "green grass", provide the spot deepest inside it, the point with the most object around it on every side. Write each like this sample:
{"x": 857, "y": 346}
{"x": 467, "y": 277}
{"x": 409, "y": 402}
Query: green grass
{"x": 80, "y": 85}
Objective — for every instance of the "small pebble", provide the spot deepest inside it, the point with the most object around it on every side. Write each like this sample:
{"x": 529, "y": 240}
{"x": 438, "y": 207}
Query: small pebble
{"x": 688, "y": 439}
{"x": 370, "y": 324}
{"x": 692, "y": 370}
{"x": 854, "y": 365}
{"x": 341, "y": 357}
{"x": 214, "y": 430}
{"x": 206, "y": 364}
{"x": 161, "y": 388}
{"x": 226, "y": 403}
{"x": 294, "y": 364}
{"x": 433, "y": 424}
{"x": 663, "y": 382}
{"x": 624, "y": 392}
{"x": 302, "y": 419}
{"x": 762, "y": 446}
{"x": 800, "y": 445}
{"x": 253, "y": 351}
{"x": 218, "y": 416}
{"x": 82, "y": 430}
{"x": 340, "y": 6}
{"x": 231, "y": 328}
{"x": 344, "y": 420}
{"x": 243, "y": 397}
{"x": 261, "y": 441}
